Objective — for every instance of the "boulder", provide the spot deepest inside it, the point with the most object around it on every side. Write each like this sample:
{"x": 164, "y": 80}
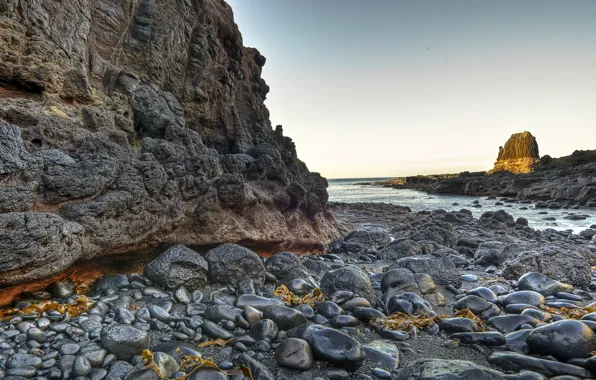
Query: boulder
{"x": 400, "y": 249}
{"x": 439, "y": 267}
{"x": 542, "y": 284}
{"x": 178, "y": 266}
{"x": 124, "y": 341}
{"x": 565, "y": 264}
{"x": 494, "y": 253}
{"x": 351, "y": 278}
{"x": 564, "y": 340}
{"x": 333, "y": 346}
{"x": 230, "y": 263}
{"x": 280, "y": 263}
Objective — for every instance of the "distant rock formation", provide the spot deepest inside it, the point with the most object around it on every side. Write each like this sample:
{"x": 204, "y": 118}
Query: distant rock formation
{"x": 520, "y": 154}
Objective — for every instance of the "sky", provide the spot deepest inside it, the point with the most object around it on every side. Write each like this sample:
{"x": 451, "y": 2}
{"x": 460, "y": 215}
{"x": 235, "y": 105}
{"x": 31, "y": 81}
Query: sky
{"x": 382, "y": 88}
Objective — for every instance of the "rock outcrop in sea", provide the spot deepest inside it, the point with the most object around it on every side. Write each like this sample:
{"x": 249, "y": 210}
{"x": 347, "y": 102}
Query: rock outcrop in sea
{"x": 519, "y": 173}
{"x": 131, "y": 124}
{"x": 519, "y": 155}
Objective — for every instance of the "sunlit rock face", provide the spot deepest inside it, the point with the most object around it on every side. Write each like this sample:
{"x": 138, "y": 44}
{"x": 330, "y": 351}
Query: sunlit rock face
{"x": 132, "y": 124}
{"x": 519, "y": 155}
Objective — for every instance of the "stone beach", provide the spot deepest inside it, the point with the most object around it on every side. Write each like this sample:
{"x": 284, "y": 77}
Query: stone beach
{"x": 155, "y": 225}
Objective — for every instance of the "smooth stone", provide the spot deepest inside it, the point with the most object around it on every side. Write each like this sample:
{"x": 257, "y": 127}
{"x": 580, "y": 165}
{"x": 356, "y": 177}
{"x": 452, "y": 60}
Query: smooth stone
{"x": 119, "y": 369}
{"x": 382, "y": 353}
{"x": 21, "y": 372}
{"x": 258, "y": 370}
{"x": 98, "y": 374}
{"x": 475, "y": 304}
{"x": 329, "y": 309}
{"x": 528, "y": 297}
{"x": 166, "y": 363}
{"x": 381, "y": 373}
{"x": 265, "y": 328}
{"x": 409, "y": 303}
{"x": 113, "y": 282}
{"x": 182, "y": 295}
{"x": 469, "y": 277}
{"x": 216, "y": 313}
{"x": 457, "y": 325}
{"x": 307, "y": 311}
{"x": 563, "y": 339}
{"x": 538, "y": 314}
{"x": 253, "y": 315}
{"x": 515, "y": 362}
{"x": 62, "y": 289}
{"x": 81, "y": 366}
{"x": 355, "y": 302}
{"x": 284, "y": 317}
{"x": 158, "y": 312}
{"x": 23, "y": 360}
{"x": 255, "y": 301}
{"x": 294, "y": 353}
{"x": 485, "y": 293}
{"x": 124, "y": 315}
{"x": 510, "y": 323}
{"x": 393, "y": 334}
{"x": 208, "y": 374}
{"x": 333, "y": 346}
{"x": 215, "y": 331}
{"x": 344, "y": 321}
{"x": 490, "y": 338}
{"x": 366, "y": 314}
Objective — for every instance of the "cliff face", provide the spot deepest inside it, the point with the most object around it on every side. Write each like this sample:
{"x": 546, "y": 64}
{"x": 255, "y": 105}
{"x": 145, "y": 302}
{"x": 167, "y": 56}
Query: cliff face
{"x": 133, "y": 123}
{"x": 519, "y": 155}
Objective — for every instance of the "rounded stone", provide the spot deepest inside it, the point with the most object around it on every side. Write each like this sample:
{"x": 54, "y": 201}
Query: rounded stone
{"x": 294, "y": 353}
{"x": 178, "y": 266}
{"x": 230, "y": 263}
{"x": 265, "y": 328}
{"x": 124, "y": 341}
{"x": 563, "y": 339}
{"x": 349, "y": 277}
{"x": 81, "y": 366}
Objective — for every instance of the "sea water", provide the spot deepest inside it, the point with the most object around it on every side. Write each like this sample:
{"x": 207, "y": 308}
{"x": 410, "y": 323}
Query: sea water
{"x": 348, "y": 190}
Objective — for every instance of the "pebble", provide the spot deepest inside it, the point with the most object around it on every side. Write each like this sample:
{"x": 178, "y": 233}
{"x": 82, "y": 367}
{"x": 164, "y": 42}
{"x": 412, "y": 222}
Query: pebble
{"x": 469, "y": 277}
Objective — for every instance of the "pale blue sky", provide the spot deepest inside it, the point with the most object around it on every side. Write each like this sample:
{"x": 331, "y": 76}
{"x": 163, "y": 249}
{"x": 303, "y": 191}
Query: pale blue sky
{"x": 391, "y": 87}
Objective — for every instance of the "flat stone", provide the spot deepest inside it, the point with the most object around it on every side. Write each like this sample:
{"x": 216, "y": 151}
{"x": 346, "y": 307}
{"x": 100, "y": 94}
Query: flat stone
{"x": 382, "y": 353}
{"x": 215, "y": 331}
{"x": 515, "y": 362}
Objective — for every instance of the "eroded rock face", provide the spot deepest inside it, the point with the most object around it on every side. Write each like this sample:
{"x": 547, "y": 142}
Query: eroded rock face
{"x": 519, "y": 155}
{"x": 142, "y": 123}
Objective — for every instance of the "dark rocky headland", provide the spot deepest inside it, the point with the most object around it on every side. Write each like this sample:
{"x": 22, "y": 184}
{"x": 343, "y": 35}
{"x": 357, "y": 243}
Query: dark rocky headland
{"x": 519, "y": 173}
{"x": 135, "y": 138}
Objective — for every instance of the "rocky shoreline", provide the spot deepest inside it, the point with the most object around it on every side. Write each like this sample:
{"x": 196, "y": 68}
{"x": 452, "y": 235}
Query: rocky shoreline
{"x": 519, "y": 173}
{"x": 408, "y": 296}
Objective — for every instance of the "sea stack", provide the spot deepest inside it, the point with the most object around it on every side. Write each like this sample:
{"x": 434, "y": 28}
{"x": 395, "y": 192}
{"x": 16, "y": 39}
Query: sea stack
{"x": 519, "y": 155}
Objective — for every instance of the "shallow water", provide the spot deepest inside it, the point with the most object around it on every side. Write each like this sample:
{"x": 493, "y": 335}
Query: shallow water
{"x": 345, "y": 190}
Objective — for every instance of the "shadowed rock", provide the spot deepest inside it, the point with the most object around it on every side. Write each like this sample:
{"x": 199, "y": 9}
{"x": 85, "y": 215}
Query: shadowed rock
{"x": 146, "y": 126}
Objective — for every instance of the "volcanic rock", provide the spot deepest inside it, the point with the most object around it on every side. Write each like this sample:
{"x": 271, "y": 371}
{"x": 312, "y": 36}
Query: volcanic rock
{"x": 519, "y": 155}
{"x": 137, "y": 124}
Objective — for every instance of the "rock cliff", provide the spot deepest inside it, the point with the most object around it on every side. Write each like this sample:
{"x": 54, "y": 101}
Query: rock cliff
{"x": 519, "y": 155}
{"x": 129, "y": 124}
